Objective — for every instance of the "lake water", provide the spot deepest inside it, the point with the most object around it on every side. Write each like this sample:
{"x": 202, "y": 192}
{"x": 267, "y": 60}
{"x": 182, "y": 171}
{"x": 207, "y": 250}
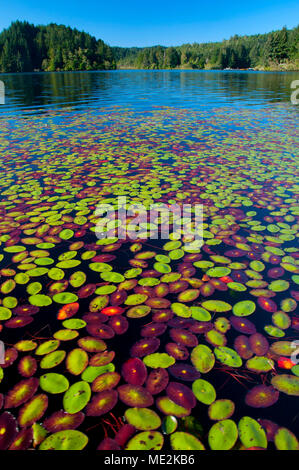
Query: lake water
{"x": 144, "y": 89}
{"x": 140, "y": 328}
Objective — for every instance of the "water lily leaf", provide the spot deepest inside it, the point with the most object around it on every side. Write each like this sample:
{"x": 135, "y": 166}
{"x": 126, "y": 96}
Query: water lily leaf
{"x": 70, "y": 439}
{"x": 185, "y": 441}
{"x": 251, "y": 433}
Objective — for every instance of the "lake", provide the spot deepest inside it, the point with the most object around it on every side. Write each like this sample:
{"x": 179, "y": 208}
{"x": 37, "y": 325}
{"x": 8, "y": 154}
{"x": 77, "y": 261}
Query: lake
{"x": 193, "y": 346}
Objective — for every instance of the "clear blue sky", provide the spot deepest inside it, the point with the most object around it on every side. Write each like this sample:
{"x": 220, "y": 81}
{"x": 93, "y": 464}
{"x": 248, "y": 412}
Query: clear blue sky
{"x": 166, "y": 22}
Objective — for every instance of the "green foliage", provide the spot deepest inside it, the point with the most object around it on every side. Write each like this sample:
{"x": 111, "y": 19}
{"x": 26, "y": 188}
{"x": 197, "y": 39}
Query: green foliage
{"x": 238, "y": 52}
{"x": 25, "y": 47}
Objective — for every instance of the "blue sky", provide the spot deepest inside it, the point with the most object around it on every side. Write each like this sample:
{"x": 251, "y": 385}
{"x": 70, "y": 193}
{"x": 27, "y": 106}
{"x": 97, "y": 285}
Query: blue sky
{"x": 166, "y": 22}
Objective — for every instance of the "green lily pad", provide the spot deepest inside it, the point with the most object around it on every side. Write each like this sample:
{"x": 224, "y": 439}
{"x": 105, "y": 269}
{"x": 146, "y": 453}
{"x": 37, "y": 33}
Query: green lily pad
{"x": 65, "y": 298}
{"x": 199, "y": 313}
{"x": 216, "y": 306}
{"x": 77, "y": 361}
{"x": 285, "y": 440}
{"x": 52, "y": 359}
{"x": 215, "y": 338}
{"x": 218, "y": 272}
{"x": 53, "y": 383}
{"x": 181, "y": 310}
{"x": 156, "y": 360}
{"x": 202, "y": 358}
{"x": 168, "y": 407}
{"x": 47, "y": 347}
{"x": 236, "y": 286}
{"x": 163, "y": 268}
{"x": 147, "y": 440}
{"x": 65, "y": 335}
{"x": 274, "y": 331}
{"x": 40, "y": 300}
{"x": 223, "y": 435}
{"x": 74, "y": 323}
{"x": 185, "y": 441}
{"x": 92, "y": 372}
{"x": 251, "y": 433}
{"x": 260, "y": 364}
{"x": 204, "y": 391}
{"x": 135, "y": 299}
{"x": 5, "y": 313}
{"x": 76, "y": 397}
{"x": 70, "y": 439}
{"x": 169, "y": 424}
{"x": 281, "y": 320}
{"x": 33, "y": 410}
{"x": 286, "y": 383}
{"x": 112, "y": 277}
{"x": 221, "y": 409}
{"x": 244, "y": 308}
{"x": 279, "y": 285}
{"x": 228, "y": 356}
{"x": 143, "y": 419}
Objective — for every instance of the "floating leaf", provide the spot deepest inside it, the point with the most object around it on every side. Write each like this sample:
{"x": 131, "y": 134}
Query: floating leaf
{"x": 251, "y": 433}
{"x": 223, "y": 435}
{"x": 65, "y": 440}
{"x": 143, "y": 419}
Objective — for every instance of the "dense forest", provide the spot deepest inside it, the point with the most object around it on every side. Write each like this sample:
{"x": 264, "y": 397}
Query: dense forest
{"x": 275, "y": 50}
{"x": 25, "y": 47}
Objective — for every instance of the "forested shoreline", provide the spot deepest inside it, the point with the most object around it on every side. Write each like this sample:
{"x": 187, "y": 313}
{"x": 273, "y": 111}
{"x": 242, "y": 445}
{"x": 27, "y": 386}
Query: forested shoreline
{"x": 25, "y": 47}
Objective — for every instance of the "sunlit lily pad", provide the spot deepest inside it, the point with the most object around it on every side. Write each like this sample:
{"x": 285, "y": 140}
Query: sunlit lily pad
{"x": 185, "y": 441}
{"x": 244, "y": 308}
{"x": 76, "y": 397}
{"x": 228, "y": 356}
{"x": 204, "y": 391}
{"x": 203, "y": 358}
{"x": 251, "y": 433}
{"x": 146, "y": 440}
{"x": 288, "y": 384}
{"x": 216, "y": 306}
{"x": 223, "y": 435}
{"x": 65, "y": 440}
{"x": 53, "y": 383}
{"x": 143, "y": 419}
{"x": 156, "y": 360}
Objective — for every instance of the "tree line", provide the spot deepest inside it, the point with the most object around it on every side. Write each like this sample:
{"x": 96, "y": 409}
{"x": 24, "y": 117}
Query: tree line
{"x": 25, "y": 47}
{"x": 262, "y": 51}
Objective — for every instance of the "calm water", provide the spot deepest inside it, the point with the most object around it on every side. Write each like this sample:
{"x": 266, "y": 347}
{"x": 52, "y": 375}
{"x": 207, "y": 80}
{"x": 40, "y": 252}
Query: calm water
{"x": 30, "y": 93}
{"x": 227, "y": 140}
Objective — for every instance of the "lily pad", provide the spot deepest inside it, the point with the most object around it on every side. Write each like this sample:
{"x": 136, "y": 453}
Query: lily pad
{"x": 228, "y": 356}
{"x": 244, "y": 308}
{"x": 143, "y": 419}
{"x": 185, "y": 441}
{"x": 204, "y": 391}
{"x": 70, "y": 439}
{"x": 251, "y": 433}
{"x": 147, "y": 440}
{"x": 157, "y": 360}
{"x": 203, "y": 358}
{"x": 76, "y": 397}
{"x": 223, "y": 435}
{"x": 53, "y": 383}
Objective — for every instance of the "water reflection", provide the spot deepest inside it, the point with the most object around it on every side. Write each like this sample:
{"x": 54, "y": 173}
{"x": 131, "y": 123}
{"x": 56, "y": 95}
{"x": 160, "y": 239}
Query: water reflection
{"x": 139, "y": 89}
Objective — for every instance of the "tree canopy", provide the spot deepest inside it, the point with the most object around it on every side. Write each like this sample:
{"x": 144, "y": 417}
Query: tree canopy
{"x": 25, "y": 47}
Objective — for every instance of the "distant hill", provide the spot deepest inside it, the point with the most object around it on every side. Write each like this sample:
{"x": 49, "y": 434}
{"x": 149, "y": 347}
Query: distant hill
{"x": 25, "y": 47}
{"x": 277, "y": 50}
